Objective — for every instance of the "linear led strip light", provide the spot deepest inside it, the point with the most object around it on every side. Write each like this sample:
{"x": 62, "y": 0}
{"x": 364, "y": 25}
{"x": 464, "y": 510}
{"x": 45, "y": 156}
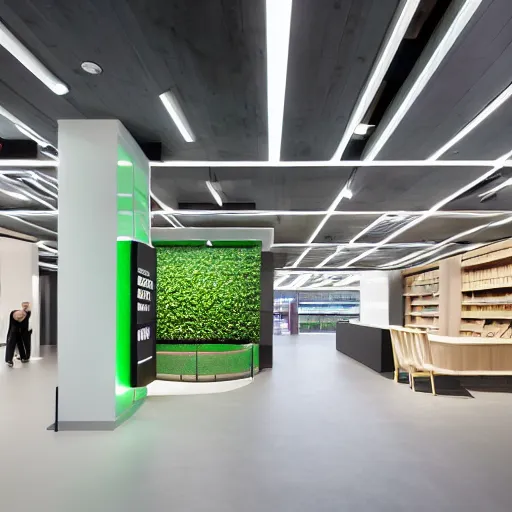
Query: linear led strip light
{"x": 28, "y": 194}
{"x": 462, "y": 18}
{"x": 377, "y": 75}
{"x": 171, "y": 219}
{"x": 425, "y": 253}
{"x": 25, "y": 57}
{"x": 172, "y": 106}
{"x": 27, "y": 223}
{"x": 278, "y": 21}
{"x": 432, "y": 210}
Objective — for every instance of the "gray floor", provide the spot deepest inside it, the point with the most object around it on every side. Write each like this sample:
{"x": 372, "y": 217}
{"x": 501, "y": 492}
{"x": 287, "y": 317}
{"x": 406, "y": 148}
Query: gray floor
{"x": 317, "y": 433}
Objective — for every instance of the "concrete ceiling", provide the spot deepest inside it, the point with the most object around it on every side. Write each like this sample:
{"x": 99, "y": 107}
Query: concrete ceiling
{"x": 213, "y": 54}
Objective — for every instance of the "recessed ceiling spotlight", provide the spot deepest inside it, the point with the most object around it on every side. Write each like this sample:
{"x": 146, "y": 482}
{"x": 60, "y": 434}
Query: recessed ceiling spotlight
{"x": 91, "y": 67}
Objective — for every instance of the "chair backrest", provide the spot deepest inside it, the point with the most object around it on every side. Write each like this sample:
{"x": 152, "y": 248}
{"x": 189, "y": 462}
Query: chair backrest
{"x": 411, "y": 348}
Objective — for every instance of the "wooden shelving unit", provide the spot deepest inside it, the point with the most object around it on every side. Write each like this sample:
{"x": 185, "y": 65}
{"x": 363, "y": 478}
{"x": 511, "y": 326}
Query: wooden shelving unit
{"x": 486, "y": 276}
{"x": 421, "y": 297}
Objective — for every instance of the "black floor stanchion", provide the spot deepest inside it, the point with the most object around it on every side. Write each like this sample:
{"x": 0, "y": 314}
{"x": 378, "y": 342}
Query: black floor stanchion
{"x": 56, "y": 429}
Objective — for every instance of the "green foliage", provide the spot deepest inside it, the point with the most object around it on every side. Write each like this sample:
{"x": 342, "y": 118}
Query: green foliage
{"x": 208, "y": 294}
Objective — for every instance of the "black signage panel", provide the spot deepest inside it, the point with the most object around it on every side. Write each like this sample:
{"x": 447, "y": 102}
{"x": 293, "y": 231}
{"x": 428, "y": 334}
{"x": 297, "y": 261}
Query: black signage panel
{"x": 143, "y": 318}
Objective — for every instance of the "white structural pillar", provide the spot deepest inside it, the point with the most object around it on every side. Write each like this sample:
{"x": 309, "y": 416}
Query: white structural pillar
{"x": 381, "y": 298}
{"x": 19, "y": 282}
{"x": 89, "y": 222}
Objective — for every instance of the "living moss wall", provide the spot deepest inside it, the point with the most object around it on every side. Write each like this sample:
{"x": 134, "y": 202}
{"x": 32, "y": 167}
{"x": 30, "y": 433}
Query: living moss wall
{"x": 208, "y": 294}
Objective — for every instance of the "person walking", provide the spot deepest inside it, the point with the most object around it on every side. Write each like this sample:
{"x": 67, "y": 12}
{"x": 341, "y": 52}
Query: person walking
{"x": 16, "y": 337}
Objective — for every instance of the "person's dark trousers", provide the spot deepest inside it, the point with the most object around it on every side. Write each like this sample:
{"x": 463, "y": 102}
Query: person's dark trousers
{"x": 27, "y": 339}
{"x": 15, "y": 339}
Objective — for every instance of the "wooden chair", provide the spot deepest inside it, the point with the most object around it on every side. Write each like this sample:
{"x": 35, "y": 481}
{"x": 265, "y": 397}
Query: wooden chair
{"x": 411, "y": 352}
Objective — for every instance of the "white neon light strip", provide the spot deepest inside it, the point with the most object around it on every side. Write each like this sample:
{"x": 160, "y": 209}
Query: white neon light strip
{"x": 484, "y": 114}
{"x": 456, "y": 251}
{"x": 278, "y": 21}
{"x": 48, "y": 265}
{"x": 34, "y": 163}
{"x": 145, "y": 360}
{"x": 318, "y": 213}
{"x": 27, "y": 223}
{"x": 462, "y": 18}
{"x": 173, "y": 108}
{"x": 329, "y": 258}
{"x": 47, "y": 248}
{"x": 432, "y": 210}
{"x": 368, "y": 228}
{"x": 28, "y": 194}
{"x": 323, "y": 163}
{"x": 377, "y": 74}
{"x": 301, "y": 257}
{"x": 168, "y": 217}
{"x": 214, "y": 193}
{"x": 32, "y": 135}
{"x": 25, "y": 57}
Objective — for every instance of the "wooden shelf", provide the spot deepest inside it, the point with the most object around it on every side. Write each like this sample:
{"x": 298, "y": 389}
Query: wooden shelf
{"x": 491, "y": 315}
{"x": 409, "y": 294}
{"x": 490, "y": 259}
{"x": 483, "y": 303}
{"x": 426, "y": 303}
{"x": 426, "y": 314}
{"x": 486, "y": 287}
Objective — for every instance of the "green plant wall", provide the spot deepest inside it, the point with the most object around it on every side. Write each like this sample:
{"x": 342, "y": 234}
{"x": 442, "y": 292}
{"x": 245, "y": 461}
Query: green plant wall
{"x": 208, "y": 294}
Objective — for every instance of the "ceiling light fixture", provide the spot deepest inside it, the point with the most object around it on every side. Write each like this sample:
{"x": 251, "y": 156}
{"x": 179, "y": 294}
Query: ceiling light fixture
{"x": 47, "y": 248}
{"x": 330, "y": 257}
{"x": 300, "y": 281}
{"x": 13, "y": 183}
{"x": 25, "y": 57}
{"x": 466, "y": 248}
{"x": 171, "y": 219}
{"x": 214, "y": 193}
{"x": 278, "y": 21}
{"x": 363, "y": 129}
{"x": 38, "y": 185}
{"x": 173, "y": 108}
{"x": 301, "y": 257}
{"x": 47, "y": 151}
{"x": 482, "y": 116}
{"x": 434, "y": 209}
{"x": 15, "y": 195}
{"x": 368, "y": 228}
{"x": 51, "y": 266}
{"x": 124, "y": 163}
{"x": 26, "y": 223}
{"x": 378, "y": 72}
{"x": 28, "y": 163}
{"x": 32, "y": 135}
{"x": 460, "y": 21}
{"x": 325, "y": 163}
{"x": 489, "y": 193}
{"x": 91, "y": 67}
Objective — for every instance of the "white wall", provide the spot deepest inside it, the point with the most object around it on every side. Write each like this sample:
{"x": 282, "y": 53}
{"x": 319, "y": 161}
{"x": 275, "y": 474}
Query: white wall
{"x": 381, "y": 298}
{"x": 19, "y": 282}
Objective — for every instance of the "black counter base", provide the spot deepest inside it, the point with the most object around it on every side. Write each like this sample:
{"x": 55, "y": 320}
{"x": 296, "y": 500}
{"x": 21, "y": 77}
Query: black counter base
{"x": 370, "y": 346}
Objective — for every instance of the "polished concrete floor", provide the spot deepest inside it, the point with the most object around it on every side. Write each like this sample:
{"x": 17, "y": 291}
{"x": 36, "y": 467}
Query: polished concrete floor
{"x": 317, "y": 433}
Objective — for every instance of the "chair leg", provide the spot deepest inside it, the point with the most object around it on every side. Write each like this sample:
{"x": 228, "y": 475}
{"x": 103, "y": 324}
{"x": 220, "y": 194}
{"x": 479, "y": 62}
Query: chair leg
{"x": 413, "y": 387}
{"x": 433, "y": 383}
{"x": 396, "y": 375}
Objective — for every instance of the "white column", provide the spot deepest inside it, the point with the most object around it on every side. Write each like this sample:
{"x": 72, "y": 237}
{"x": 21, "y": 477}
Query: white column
{"x": 381, "y": 298}
{"x": 87, "y": 286}
{"x": 19, "y": 282}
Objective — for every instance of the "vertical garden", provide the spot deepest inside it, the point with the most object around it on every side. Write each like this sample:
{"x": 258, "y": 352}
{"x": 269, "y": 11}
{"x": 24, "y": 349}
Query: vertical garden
{"x": 208, "y": 308}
